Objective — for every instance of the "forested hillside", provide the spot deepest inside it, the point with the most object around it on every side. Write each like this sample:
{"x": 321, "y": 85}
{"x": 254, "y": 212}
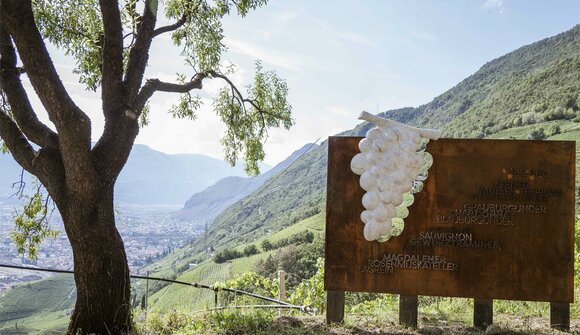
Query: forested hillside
{"x": 537, "y": 78}
{"x": 296, "y": 194}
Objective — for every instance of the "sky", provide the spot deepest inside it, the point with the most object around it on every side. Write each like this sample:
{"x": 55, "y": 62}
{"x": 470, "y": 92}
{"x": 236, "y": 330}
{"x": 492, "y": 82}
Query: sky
{"x": 339, "y": 58}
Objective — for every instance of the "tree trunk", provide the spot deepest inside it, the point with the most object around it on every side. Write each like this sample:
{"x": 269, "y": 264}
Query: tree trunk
{"x": 100, "y": 265}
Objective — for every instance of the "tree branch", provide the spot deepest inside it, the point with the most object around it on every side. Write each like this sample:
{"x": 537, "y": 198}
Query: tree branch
{"x": 73, "y": 126}
{"x": 235, "y": 90}
{"x": 240, "y": 98}
{"x": 112, "y": 56}
{"x": 139, "y": 54}
{"x": 22, "y": 110}
{"x": 45, "y": 164}
{"x": 155, "y": 85}
{"x": 170, "y": 27}
{"x": 121, "y": 127}
{"x": 17, "y": 143}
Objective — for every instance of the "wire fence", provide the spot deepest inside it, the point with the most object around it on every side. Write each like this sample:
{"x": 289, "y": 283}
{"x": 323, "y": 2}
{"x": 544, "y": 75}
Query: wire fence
{"x": 215, "y": 288}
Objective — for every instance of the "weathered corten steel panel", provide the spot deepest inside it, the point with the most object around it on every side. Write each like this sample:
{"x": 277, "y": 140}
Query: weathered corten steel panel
{"x": 495, "y": 220}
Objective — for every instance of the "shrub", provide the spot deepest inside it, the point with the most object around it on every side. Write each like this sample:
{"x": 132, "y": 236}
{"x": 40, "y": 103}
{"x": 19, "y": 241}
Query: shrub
{"x": 267, "y": 246}
{"x": 560, "y": 113}
{"x": 250, "y": 250}
{"x": 536, "y": 134}
{"x": 311, "y": 292}
{"x": 531, "y": 118}
{"x": 226, "y": 255}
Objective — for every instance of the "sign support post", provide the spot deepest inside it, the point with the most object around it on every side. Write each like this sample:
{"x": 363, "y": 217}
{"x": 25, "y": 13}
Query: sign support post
{"x": 334, "y": 307}
{"x": 408, "y": 310}
{"x": 482, "y": 313}
{"x": 560, "y": 316}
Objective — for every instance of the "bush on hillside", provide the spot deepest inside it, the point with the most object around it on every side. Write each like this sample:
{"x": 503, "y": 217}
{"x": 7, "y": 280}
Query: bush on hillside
{"x": 250, "y": 250}
{"x": 532, "y": 118}
{"x": 560, "y": 113}
{"x": 299, "y": 261}
{"x": 266, "y": 245}
{"x": 537, "y": 134}
{"x": 226, "y": 255}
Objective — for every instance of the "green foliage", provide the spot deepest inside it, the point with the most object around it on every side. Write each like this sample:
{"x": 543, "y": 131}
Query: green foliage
{"x": 226, "y": 255}
{"x": 561, "y": 113}
{"x": 170, "y": 323}
{"x": 252, "y": 322}
{"x": 144, "y": 117}
{"x": 248, "y": 282}
{"x": 3, "y": 148}
{"x": 202, "y": 34}
{"x": 187, "y": 105}
{"x": 247, "y": 126}
{"x": 250, "y": 250}
{"x": 31, "y": 226}
{"x": 536, "y": 134}
{"x": 253, "y": 282}
{"x": 75, "y": 27}
{"x": 380, "y": 303}
{"x": 299, "y": 261}
{"x": 266, "y": 245}
{"x": 311, "y": 292}
{"x": 218, "y": 322}
{"x": 555, "y": 130}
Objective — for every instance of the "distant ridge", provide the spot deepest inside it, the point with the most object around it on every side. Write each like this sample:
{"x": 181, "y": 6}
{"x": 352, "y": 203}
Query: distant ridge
{"x": 150, "y": 177}
{"x": 204, "y": 206}
{"x": 539, "y": 77}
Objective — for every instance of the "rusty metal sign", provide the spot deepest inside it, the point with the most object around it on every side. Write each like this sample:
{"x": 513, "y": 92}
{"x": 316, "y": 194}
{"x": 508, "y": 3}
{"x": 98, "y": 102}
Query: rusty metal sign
{"x": 495, "y": 220}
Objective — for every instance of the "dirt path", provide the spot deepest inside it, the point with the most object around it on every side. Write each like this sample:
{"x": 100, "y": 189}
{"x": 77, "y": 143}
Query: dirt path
{"x": 361, "y": 326}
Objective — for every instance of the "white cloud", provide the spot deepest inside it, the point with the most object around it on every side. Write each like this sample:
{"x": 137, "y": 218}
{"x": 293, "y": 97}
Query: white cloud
{"x": 170, "y": 135}
{"x": 356, "y": 38}
{"x": 423, "y": 36}
{"x": 497, "y": 5}
{"x": 283, "y": 16}
{"x": 278, "y": 59}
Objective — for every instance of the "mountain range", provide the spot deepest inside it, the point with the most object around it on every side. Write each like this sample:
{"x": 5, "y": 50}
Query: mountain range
{"x": 150, "y": 177}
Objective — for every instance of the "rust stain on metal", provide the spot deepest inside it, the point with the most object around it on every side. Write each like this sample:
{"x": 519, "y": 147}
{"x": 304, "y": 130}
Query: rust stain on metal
{"x": 495, "y": 220}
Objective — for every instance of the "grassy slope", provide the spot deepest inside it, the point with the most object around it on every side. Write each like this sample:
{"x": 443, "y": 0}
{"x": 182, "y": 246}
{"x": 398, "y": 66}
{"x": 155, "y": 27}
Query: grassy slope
{"x": 208, "y": 272}
{"x": 37, "y": 306}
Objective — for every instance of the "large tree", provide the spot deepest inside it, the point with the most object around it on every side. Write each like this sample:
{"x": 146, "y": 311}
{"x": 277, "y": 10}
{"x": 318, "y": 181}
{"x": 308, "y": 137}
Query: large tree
{"x": 110, "y": 43}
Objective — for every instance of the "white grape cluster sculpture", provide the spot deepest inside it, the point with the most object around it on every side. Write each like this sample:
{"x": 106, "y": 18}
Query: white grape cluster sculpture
{"x": 388, "y": 165}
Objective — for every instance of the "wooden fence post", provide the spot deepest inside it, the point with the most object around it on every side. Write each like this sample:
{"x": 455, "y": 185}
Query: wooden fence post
{"x": 334, "y": 307}
{"x": 560, "y": 316}
{"x": 482, "y": 313}
{"x": 146, "y": 289}
{"x": 282, "y": 287}
{"x": 408, "y": 310}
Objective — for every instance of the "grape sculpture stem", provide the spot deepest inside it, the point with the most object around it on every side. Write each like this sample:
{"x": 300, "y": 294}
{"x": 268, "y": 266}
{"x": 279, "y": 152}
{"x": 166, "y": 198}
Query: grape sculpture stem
{"x": 432, "y": 134}
{"x": 388, "y": 165}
